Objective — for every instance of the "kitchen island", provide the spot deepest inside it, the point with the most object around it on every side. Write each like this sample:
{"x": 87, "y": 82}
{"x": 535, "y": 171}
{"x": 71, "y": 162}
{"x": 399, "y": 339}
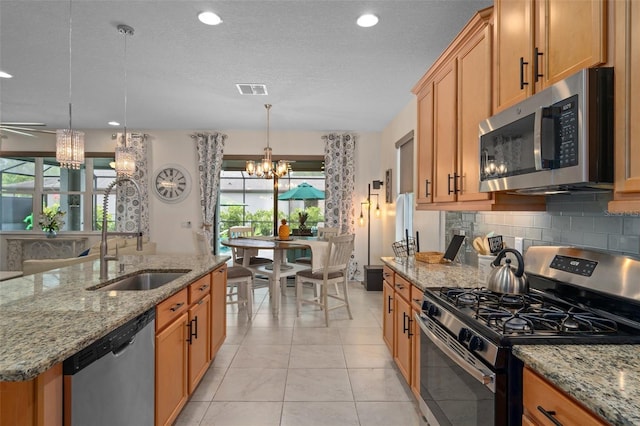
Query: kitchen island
{"x": 49, "y": 316}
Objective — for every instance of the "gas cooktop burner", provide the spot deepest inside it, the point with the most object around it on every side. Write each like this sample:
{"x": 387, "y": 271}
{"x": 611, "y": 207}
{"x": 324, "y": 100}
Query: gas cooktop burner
{"x": 525, "y": 314}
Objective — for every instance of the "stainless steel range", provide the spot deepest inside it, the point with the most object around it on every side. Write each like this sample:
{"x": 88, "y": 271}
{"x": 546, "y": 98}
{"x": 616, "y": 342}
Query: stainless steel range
{"x": 576, "y": 296}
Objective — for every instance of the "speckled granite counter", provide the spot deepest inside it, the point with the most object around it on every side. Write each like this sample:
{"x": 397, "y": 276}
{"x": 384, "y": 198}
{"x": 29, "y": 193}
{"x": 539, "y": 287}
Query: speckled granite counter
{"x": 605, "y": 378}
{"x": 434, "y": 275}
{"x": 46, "y": 317}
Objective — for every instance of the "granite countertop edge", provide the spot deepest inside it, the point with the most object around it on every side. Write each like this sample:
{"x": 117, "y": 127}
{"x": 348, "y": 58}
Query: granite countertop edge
{"x": 49, "y": 316}
{"x": 604, "y": 378}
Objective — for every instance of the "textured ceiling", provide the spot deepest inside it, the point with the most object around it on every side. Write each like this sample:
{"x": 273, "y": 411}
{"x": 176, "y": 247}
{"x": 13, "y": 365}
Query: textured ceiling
{"x": 321, "y": 70}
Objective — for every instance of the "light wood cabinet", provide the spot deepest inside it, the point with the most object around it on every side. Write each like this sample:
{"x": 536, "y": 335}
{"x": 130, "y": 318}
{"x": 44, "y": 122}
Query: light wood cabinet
{"x": 172, "y": 357}
{"x": 218, "y": 308}
{"x": 416, "y": 307}
{"x": 626, "y": 197}
{"x": 454, "y": 96}
{"x": 543, "y": 404}
{"x": 540, "y": 42}
{"x": 402, "y": 337}
{"x": 388, "y": 296}
{"x": 424, "y": 185}
{"x": 36, "y": 402}
{"x": 187, "y": 325}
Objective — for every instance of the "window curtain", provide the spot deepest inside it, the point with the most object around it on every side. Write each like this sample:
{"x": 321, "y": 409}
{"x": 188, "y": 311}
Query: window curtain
{"x": 127, "y": 201}
{"x": 340, "y": 185}
{"x": 210, "y": 149}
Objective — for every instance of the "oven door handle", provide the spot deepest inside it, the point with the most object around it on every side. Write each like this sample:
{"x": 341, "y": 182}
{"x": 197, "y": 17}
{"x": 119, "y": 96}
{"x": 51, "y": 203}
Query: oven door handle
{"x": 486, "y": 378}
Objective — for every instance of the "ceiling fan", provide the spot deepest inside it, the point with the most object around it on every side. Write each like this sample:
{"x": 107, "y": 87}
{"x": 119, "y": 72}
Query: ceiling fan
{"x": 26, "y": 129}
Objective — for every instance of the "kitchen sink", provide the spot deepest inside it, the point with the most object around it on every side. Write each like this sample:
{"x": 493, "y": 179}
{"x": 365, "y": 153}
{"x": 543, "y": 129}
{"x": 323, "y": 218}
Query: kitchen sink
{"x": 140, "y": 281}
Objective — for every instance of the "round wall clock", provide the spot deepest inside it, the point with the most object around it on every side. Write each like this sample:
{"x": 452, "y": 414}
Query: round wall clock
{"x": 172, "y": 183}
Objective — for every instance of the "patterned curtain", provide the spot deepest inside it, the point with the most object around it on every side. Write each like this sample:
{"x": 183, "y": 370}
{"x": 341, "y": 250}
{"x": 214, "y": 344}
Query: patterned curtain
{"x": 340, "y": 184}
{"x": 127, "y": 201}
{"x": 210, "y": 149}
{"x": 340, "y": 181}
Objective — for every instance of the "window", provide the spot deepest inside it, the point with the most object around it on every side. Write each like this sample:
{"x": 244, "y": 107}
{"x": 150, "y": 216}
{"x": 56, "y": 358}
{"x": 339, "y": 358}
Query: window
{"x": 248, "y": 200}
{"x": 31, "y": 184}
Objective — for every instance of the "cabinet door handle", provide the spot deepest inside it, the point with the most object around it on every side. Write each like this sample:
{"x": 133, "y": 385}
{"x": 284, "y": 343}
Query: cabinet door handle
{"x": 449, "y": 179}
{"x": 176, "y": 306}
{"x": 389, "y": 304}
{"x": 405, "y": 328}
{"x": 536, "y": 65}
{"x": 409, "y": 334}
{"x": 426, "y": 188}
{"x": 195, "y": 322}
{"x": 189, "y": 333}
{"x": 456, "y": 189}
{"x": 204, "y": 287}
{"x": 522, "y": 64}
{"x": 549, "y": 415}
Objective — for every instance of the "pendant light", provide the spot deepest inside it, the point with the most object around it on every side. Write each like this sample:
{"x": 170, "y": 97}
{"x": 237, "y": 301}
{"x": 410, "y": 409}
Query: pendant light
{"x": 69, "y": 142}
{"x": 125, "y": 155}
{"x": 266, "y": 168}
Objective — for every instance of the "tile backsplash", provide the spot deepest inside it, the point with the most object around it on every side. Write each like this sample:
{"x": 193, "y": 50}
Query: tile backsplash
{"x": 578, "y": 220}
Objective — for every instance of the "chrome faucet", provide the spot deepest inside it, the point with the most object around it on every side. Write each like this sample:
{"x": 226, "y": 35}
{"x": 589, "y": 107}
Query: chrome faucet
{"x": 104, "y": 257}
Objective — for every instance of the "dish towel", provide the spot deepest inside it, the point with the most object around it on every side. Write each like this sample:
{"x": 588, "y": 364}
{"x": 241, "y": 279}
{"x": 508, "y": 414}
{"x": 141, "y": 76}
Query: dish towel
{"x": 319, "y": 251}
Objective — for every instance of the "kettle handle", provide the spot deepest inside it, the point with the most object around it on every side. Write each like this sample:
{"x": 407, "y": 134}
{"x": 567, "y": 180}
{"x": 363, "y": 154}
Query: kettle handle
{"x": 519, "y": 258}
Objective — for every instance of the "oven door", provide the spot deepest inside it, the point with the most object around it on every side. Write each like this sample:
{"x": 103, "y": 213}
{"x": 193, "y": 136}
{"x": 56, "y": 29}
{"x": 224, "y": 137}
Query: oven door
{"x": 455, "y": 386}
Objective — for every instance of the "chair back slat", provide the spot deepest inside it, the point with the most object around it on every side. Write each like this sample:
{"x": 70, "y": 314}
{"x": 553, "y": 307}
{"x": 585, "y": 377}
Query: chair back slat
{"x": 236, "y": 232}
{"x": 340, "y": 249}
{"x": 324, "y": 232}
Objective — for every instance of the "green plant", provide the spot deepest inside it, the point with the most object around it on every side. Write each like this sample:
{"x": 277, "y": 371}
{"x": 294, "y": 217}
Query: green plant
{"x": 51, "y": 218}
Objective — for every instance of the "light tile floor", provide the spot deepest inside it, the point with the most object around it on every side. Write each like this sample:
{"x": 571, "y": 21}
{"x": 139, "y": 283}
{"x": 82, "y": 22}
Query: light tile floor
{"x": 293, "y": 371}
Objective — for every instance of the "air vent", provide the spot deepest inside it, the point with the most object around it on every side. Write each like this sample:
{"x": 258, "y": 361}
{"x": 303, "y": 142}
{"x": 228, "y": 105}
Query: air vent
{"x": 252, "y": 89}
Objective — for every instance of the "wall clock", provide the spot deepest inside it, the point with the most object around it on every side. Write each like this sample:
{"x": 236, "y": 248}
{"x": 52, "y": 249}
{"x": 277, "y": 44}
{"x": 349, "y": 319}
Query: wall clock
{"x": 172, "y": 183}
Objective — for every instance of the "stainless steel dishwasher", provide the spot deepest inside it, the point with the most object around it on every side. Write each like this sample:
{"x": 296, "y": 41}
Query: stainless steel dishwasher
{"x": 111, "y": 382}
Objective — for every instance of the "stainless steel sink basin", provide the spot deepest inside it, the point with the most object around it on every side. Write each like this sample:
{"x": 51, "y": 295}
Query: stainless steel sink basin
{"x": 143, "y": 280}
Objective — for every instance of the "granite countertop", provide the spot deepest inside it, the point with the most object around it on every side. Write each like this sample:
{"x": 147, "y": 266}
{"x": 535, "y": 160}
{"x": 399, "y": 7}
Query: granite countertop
{"x": 605, "y": 378}
{"x": 434, "y": 275}
{"x": 47, "y": 317}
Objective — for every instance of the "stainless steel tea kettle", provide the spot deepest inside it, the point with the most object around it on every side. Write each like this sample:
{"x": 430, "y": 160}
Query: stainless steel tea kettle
{"x": 503, "y": 279}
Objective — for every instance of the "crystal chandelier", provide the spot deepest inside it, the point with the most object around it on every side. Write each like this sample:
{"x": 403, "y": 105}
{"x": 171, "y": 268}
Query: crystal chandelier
{"x": 267, "y": 168}
{"x": 69, "y": 142}
{"x": 125, "y": 155}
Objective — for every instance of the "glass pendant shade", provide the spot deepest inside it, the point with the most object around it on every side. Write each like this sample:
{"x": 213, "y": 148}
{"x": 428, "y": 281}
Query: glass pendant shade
{"x": 69, "y": 148}
{"x": 250, "y": 167}
{"x": 125, "y": 161}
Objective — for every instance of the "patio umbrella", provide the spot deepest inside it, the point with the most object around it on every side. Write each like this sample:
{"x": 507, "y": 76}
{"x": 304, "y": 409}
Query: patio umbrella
{"x": 304, "y": 191}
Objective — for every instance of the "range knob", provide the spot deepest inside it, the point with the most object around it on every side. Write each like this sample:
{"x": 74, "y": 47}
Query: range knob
{"x": 433, "y": 311}
{"x": 464, "y": 334}
{"x": 476, "y": 343}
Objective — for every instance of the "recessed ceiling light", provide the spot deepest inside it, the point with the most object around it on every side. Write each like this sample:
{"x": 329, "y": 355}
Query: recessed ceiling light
{"x": 113, "y": 123}
{"x": 209, "y": 18}
{"x": 367, "y": 20}
{"x": 5, "y": 74}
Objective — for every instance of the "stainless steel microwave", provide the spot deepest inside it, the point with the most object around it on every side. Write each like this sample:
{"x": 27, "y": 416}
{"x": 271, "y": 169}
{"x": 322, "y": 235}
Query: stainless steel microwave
{"x": 558, "y": 140}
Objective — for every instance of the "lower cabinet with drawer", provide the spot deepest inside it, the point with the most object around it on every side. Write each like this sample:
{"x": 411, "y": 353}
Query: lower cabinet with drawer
{"x": 544, "y": 404}
{"x": 401, "y": 300}
{"x": 185, "y": 333}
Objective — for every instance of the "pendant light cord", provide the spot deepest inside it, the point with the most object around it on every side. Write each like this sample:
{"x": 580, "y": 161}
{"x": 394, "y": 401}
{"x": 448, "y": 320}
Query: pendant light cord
{"x": 70, "y": 31}
{"x": 268, "y": 107}
{"x": 125, "y": 30}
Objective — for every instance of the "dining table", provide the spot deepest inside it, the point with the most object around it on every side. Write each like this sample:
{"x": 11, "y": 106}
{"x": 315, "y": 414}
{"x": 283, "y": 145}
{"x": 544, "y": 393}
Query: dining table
{"x": 252, "y": 244}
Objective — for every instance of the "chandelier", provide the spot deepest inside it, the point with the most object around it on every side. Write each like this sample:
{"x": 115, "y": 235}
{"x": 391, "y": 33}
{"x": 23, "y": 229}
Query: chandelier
{"x": 69, "y": 142}
{"x": 267, "y": 168}
{"x": 125, "y": 164}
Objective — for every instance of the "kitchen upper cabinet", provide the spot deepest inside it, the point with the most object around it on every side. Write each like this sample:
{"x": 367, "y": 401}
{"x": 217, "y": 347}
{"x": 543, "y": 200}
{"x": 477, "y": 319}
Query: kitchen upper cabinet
{"x": 445, "y": 177}
{"x": 626, "y": 196}
{"x": 453, "y": 97}
{"x": 540, "y": 42}
{"x": 424, "y": 191}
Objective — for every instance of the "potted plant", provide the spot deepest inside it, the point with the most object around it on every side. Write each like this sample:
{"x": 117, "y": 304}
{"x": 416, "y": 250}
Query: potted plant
{"x": 302, "y": 226}
{"x": 51, "y": 220}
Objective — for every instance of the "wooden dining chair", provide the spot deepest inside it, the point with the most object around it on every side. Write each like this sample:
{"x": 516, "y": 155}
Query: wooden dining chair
{"x": 324, "y": 232}
{"x": 333, "y": 272}
{"x": 240, "y": 288}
